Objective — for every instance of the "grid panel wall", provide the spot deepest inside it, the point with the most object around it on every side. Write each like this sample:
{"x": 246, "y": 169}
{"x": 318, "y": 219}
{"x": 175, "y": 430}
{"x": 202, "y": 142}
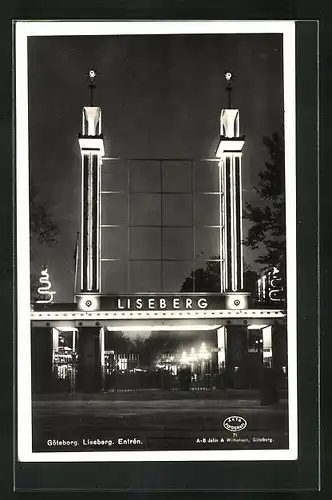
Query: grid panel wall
{"x": 159, "y": 224}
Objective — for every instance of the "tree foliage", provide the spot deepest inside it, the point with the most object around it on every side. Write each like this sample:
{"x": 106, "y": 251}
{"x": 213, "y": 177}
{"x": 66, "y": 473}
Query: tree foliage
{"x": 42, "y": 224}
{"x": 43, "y": 228}
{"x": 207, "y": 279}
{"x": 268, "y": 230}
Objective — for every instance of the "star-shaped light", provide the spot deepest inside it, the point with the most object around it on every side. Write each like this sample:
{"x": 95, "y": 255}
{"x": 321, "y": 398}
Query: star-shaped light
{"x": 228, "y": 76}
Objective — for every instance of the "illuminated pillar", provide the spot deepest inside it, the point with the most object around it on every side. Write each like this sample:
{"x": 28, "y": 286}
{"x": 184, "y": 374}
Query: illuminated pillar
{"x": 90, "y": 350}
{"x": 221, "y": 345}
{"x": 55, "y": 339}
{"x": 230, "y": 152}
{"x": 92, "y": 150}
{"x": 267, "y": 343}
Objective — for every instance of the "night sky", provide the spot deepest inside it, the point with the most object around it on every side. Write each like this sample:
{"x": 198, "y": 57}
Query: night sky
{"x": 160, "y": 96}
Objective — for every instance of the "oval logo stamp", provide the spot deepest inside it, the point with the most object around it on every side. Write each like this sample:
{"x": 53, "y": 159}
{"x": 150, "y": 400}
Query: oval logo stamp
{"x": 235, "y": 423}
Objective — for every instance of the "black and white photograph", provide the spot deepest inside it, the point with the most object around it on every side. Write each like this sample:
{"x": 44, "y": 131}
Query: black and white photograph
{"x": 156, "y": 241}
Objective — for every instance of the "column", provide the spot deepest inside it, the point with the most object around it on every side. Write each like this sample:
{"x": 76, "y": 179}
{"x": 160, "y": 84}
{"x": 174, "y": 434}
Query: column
{"x": 55, "y": 339}
{"x": 89, "y": 348}
{"x": 236, "y": 355}
{"x": 92, "y": 150}
{"x": 267, "y": 345}
{"x": 230, "y": 185}
{"x": 41, "y": 359}
{"x": 221, "y": 345}
{"x": 279, "y": 352}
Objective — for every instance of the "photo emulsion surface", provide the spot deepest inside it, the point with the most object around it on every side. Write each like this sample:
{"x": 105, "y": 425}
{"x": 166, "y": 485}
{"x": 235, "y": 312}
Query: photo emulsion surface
{"x": 159, "y": 306}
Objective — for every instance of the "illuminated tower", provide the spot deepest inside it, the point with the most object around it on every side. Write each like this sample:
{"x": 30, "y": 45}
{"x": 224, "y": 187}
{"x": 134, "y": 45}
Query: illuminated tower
{"x": 229, "y": 152}
{"x": 92, "y": 150}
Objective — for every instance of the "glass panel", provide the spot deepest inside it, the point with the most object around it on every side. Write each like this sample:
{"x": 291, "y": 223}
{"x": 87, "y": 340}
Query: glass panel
{"x": 114, "y": 277}
{"x": 177, "y": 243}
{"x": 145, "y": 243}
{"x": 206, "y": 176}
{"x": 114, "y": 243}
{"x": 114, "y": 175}
{"x": 177, "y": 176}
{"x": 177, "y": 210}
{"x": 114, "y": 208}
{"x": 175, "y": 274}
{"x": 207, "y": 243}
{"x": 145, "y": 277}
{"x": 207, "y": 209}
{"x": 207, "y": 277}
{"x": 145, "y": 176}
{"x": 145, "y": 210}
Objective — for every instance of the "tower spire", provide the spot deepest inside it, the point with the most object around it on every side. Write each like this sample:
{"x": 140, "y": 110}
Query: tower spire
{"x": 228, "y": 78}
{"x": 92, "y": 85}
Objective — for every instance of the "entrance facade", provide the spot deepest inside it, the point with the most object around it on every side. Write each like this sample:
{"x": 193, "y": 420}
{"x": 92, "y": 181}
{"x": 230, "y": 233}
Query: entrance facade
{"x": 160, "y": 251}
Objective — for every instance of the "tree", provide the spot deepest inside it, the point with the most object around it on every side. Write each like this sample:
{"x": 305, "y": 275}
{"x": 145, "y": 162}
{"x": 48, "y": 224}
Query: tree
{"x": 42, "y": 225}
{"x": 207, "y": 279}
{"x": 268, "y": 230}
{"x": 43, "y": 228}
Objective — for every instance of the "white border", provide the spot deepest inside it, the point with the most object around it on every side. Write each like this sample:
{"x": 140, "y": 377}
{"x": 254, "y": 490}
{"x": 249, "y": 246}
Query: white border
{"x": 24, "y": 29}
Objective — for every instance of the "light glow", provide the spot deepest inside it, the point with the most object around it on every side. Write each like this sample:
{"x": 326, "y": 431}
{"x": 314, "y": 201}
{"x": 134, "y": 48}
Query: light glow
{"x": 161, "y": 328}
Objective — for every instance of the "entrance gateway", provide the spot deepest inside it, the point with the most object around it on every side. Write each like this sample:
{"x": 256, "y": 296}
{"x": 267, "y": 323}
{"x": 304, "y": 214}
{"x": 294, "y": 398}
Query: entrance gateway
{"x": 243, "y": 335}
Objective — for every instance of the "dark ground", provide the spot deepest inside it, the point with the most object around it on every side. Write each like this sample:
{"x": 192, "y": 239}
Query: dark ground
{"x": 159, "y": 420}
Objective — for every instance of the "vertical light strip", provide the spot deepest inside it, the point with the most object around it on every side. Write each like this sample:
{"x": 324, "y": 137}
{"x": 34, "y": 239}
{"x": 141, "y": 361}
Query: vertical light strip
{"x": 236, "y": 243}
{"x": 89, "y": 263}
{"x": 241, "y": 221}
{"x": 102, "y": 354}
{"x": 222, "y": 278}
{"x": 267, "y": 338}
{"x": 129, "y": 164}
{"x": 221, "y": 346}
{"x": 224, "y": 216}
{"x": 82, "y": 223}
{"x": 231, "y": 193}
{"x": 98, "y": 228}
{"x": 74, "y": 340}
{"x": 193, "y": 187}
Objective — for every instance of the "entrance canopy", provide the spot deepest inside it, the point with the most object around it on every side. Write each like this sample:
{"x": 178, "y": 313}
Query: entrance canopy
{"x": 158, "y": 320}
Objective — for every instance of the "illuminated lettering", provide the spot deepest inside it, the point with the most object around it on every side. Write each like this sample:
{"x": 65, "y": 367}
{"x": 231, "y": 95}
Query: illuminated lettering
{"x": 176, "y": 303}
{"x": 139, "y": 304}
{"x": 202, "y": 303}
{"x": 189, "y": 303}
{"x": 162, "y": 304}
{"x": 119, "y": 304}
{"x": 151, "y": 303}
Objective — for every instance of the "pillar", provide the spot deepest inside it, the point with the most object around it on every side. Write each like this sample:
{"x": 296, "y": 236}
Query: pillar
{"x": 90, "y": 363}
{"x": 55, "y": 339}
{"x": 221, "y": 345}
{"x": 279, "y": 351}
{"x": 230, "y": 187}
{"x": 41, "y": 359}
{"x": 236, "y": 355}
{"x": 267, "y": 345}
{"x": 92, "y": 150}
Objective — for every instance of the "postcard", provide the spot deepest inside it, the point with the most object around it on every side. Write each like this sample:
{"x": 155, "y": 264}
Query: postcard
{"x": 156, "y": 241}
